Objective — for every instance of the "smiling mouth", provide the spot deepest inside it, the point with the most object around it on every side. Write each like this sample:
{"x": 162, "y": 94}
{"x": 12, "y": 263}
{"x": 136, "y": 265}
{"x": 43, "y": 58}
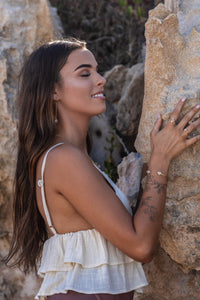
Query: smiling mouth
{"x": 99, "y": 95}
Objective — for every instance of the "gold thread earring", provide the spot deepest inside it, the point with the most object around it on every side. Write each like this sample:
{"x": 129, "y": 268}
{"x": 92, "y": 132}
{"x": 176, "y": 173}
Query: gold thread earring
{"x": 56, "y": 114}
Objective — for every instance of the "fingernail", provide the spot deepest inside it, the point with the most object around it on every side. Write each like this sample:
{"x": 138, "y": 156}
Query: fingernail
{"x": 158, "y": 116}
{"x": 197, "y": 106}
{"x": 183, "y": 99}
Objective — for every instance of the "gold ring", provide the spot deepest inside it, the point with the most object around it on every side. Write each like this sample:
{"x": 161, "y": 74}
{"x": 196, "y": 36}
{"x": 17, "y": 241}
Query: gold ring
{"x": 172, "y": 121}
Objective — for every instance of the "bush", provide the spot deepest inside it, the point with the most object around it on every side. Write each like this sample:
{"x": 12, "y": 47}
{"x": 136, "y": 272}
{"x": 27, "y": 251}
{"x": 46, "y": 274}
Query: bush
{"x": 113, "y": 29}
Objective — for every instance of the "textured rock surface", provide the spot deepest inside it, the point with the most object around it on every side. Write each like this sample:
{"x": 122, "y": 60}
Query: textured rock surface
{"x": 130, "y": 103}
{"x": 130, "y": 171}
{"x": 172, "y": 5}
{"x": 23, "y": 26}
{"x": 100, "y": 130}
{"x": 168, "y": 282}
{"x": 125, "y": 92}
{"x": 172, "y": 71}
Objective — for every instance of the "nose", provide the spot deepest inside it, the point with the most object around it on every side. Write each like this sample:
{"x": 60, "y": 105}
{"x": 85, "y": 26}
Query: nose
{"x": 101, "y": 80}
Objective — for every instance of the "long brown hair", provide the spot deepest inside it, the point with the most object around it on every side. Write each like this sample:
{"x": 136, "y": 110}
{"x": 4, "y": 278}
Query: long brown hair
{"x": 36, "y": 131}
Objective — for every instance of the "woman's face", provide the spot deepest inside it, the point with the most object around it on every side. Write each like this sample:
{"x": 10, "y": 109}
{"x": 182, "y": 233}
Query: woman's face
{"x": 81, "y": 87}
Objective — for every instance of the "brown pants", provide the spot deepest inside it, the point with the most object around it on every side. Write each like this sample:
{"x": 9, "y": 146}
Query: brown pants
{"x": 71, "y": 295}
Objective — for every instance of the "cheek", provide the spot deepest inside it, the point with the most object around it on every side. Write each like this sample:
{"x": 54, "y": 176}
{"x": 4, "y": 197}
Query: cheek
{"x": 78, "y": 87}
{"x": 76, "y": 94}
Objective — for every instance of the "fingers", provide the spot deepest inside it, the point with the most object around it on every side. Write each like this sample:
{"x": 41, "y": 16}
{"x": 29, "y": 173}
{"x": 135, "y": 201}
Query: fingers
{"x": 192, "y": 141}
{"x": 176, "y": 112}
{"x": 191, "y": 127}
{"x": 157, "y": 125}
{"x": 188, "y": 117}
{"x": 185, "y": 120}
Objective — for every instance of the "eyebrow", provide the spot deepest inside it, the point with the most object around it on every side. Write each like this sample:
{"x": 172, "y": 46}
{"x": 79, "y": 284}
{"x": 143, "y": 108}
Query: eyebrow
{"x": 83, "y": 66}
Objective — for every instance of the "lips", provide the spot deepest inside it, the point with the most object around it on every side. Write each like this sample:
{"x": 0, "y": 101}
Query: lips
{"x": 99, "y": 95}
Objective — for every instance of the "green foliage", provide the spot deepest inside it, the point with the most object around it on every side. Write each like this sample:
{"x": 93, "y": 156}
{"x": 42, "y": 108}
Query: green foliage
{"x": 140, "y": 11}
{"x": 136, "y": 7}
{"x": 109, "y": 164}
{"x": 129, "y": 11}
{"x": 122, "y": 3}
{"x": 138, "y": 1}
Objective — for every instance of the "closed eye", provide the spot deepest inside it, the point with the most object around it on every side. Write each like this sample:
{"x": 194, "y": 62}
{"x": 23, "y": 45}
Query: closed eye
{"x": 85, "y": 74}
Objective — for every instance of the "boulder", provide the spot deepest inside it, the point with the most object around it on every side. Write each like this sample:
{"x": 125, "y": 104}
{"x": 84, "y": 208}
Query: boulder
{"x": 167, "y": 281}
{"x": 130, "y": 104}
{"x": 124, "y": 92}
{"x": 130, "y": 171}
{"x": 172, "y": 72}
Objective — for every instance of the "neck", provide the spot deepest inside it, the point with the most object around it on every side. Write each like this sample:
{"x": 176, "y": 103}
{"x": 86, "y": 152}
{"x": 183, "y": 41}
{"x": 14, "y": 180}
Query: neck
{"x": 74, "y": 130}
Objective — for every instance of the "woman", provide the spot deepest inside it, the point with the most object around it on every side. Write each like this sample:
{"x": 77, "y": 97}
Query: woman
{"x": 92, "y": 247}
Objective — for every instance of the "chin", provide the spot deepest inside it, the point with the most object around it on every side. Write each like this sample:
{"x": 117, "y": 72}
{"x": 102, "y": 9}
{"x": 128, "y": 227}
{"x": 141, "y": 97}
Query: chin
{"x": 102, "y": 110}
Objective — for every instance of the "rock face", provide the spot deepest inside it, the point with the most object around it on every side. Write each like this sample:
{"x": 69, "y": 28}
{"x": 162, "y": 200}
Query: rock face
{"x": 168, "y": 282}
{"x": 130, "y": 171}
{"x": 125, "y": 92}
{"x": 23, "y": 26}
{"x": 172, "y": 70}
{"x": 101, "y": 132}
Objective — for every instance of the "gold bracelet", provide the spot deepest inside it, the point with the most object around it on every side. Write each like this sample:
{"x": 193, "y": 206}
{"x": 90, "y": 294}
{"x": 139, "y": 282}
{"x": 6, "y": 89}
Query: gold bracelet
{"x": 159, "y": 173}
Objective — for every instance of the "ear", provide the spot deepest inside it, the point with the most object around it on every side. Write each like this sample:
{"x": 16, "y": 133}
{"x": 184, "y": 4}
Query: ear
{"x": 55, "y": 96}
{"x": 56, "y": 93}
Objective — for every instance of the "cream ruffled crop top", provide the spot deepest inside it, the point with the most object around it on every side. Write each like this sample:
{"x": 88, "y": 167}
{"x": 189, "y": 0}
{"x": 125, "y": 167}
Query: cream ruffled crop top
{"x": 84, "y": 261}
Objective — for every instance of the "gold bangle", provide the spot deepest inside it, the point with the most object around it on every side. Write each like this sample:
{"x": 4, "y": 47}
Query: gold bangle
{"x": 159, "y": 173}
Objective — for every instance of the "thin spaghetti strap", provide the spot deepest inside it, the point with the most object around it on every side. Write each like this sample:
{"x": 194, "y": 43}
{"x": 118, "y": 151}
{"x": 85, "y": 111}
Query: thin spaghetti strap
{"x": 41, "y": 185}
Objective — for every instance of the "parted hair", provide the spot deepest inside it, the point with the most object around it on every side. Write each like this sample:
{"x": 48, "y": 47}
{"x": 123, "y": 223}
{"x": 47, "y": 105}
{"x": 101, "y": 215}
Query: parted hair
{"x": 36, "y": 130}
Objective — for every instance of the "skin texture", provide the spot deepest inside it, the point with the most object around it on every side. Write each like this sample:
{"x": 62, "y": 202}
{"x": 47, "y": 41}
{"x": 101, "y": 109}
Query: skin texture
{"x": 78, "y": 196}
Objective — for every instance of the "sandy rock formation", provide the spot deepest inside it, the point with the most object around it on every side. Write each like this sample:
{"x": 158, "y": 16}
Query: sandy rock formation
{"x": 172, "y": 70}
{"x": 23, "y": 26}
{"x": 168, "y": 282}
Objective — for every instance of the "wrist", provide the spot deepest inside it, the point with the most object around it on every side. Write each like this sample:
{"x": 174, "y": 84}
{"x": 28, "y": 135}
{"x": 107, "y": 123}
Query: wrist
{"x": 159, "y": 163}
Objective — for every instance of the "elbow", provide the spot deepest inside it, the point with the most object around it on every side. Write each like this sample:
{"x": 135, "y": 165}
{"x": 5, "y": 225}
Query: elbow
{"x": 145, "y": 254}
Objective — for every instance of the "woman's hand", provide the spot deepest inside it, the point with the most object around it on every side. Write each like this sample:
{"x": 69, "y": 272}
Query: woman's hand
{"x": 166, "y": 144}
{"x": 173, "y": 138}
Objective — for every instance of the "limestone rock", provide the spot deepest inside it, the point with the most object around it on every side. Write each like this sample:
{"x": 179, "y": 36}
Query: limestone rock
{"x": 125, "y": 91}
{"x": 168, "y": 282}
{"x": 130, "y": 170}
{"x": 115, "y": 81}
{"x": 23, "y": 26}
{"x": 188, "y": 16}
{"x": 172, "y": 5}
{"x": 171, "y": 72}
{"x": 130, "y": 104}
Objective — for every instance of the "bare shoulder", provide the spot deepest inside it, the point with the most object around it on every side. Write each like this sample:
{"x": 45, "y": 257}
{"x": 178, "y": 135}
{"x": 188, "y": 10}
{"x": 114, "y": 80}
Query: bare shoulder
{"x": 66, "y": 157}
{"x": 67, "y": 168}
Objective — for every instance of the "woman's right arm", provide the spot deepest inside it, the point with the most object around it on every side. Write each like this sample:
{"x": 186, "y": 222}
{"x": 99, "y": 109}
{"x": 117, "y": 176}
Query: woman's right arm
{"x": 80, "y": 183}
